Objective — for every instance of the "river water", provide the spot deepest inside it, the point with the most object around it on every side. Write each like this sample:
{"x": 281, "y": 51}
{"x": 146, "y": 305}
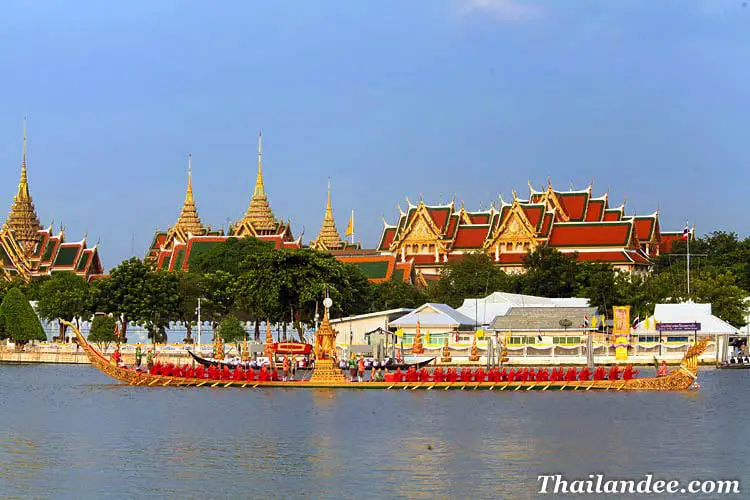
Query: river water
{"x": 70, "y": 432}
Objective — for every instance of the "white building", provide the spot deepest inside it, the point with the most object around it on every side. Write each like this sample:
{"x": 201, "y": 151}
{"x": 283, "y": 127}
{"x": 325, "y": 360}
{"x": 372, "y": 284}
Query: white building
{"x": 483, "y": 311}
{"x": 352, "y": 330}
{"x": 437, "y": 320}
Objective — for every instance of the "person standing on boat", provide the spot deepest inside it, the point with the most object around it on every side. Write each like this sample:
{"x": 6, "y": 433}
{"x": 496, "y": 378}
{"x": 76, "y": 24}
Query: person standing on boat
{"x": 294, "y": 367}
{"x": 138, "y": 356}
{"x": 285, "y": 369}
{"x": 663, "y": 370}
{"x": 360, "y": 369}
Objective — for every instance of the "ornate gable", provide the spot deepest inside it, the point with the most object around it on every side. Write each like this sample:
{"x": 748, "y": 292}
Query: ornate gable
{"x": 516, "y": 233}
{"x": 419, "y": 233}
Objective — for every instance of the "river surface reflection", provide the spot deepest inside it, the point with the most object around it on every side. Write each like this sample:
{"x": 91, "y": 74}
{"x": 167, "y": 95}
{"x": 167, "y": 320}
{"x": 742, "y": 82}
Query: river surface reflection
{"x": 70, "y": 432}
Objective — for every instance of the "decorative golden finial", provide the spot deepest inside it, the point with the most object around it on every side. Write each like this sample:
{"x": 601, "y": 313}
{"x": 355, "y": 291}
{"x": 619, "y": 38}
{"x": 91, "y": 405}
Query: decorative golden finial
{"x": 462, "y": 205}
{"x": 22, "y": 219}
{"x": 188, "y": 221}
{"x": 259, "y": 189}
{"x": 515, "y": 196}
{"x": 258, "y": 219}
{"x": 328, "y": 237}
{"x": 189, "y": 194}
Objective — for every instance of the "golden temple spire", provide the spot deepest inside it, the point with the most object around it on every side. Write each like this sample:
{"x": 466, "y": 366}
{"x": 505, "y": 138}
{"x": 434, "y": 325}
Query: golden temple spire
{"x": 22, "y": 219}
{"x": 328, "y": 237}
{"x": 259, "y": 214}
{"x": 188, "y": 221}
{"x": 259, "y": 190}
{"x": 23, "y": 185}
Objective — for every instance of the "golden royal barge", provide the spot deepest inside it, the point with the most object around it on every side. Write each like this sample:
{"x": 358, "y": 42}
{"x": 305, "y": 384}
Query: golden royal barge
{"x": 327, "y": 375}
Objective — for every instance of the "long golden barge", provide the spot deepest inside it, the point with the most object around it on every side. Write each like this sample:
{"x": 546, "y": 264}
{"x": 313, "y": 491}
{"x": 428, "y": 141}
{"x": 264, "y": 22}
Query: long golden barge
{"x": 327, "y": 376}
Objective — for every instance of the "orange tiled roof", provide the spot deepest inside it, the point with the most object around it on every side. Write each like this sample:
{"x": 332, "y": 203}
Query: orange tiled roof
{"x": 584, "y": 234}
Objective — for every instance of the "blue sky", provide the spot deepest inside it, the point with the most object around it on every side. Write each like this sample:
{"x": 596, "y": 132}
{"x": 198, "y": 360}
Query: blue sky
{"x": 390, "y": 98}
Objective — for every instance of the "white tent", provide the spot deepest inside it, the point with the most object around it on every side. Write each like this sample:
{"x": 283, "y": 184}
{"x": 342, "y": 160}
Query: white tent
{"x": 688, "y": 312}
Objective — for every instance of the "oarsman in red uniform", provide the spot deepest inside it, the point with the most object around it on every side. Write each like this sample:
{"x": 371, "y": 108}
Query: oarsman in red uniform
{"x": 190, "y": 372}
{"x": 424, "y": 375}
{"x": 599, "y": 373}
{"x": 585, "y": 373}
{"x": 398, "y": 375}
{"x": 239, "y": 373}
{"x": 614, "y": 372}
{"x": 512, "y": 375}
{"x": 199, "y": 372}
{"x": 264, "y": 375}
{"x": 437, "y": 374}
{"x": 570, "y": 375}
{"x": 225, "y": 373}
{"x": 629, "y": 373}
{"x": 250, "y": 375}
{"x": 479, "y": 375}
{"x": 504, "y": 375}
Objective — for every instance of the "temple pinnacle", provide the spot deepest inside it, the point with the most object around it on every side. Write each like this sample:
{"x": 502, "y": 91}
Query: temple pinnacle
{"x": 188, "y": 221}
{"x": 23, "y": 185}
{"x": 259, "y": 190}
{"x": 22, "y": 219}
{"x": 328, "y": 238}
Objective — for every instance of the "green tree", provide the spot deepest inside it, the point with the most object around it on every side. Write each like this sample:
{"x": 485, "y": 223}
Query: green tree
{"x": 475, "y": 275}
{"x": 220, "y": 291}
{"x": 231, "y": 256}
{"x": 396, "y": 294}
{"x": 124, "y": 292}
{"x": 160, "y": 304}
{"x": 190, "y": 288}
{"x": 549, "y": 273}
{"x": 721, "y": 291}
{"x": 18, "y": 321}
{"x": 103, "y": 331}
{"x": 64, "y": 296}
{"x": 599, "y": 284}
{"x": 231, "y": 329}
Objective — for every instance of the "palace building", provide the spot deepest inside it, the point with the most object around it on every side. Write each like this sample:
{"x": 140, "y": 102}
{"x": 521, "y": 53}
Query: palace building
{"x": 174, "y": 249}
{"x": 29, "y": 251}
{"x": 427, "y": 237}
{"x": 573, "y": 222}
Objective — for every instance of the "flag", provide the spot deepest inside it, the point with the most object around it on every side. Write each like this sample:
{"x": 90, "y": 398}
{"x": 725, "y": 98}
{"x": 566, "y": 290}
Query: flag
{"x": 117, "y": 330}
{"x": 593, "y": 321}
{"x": 586, "y": 320}
{"x": 686, "y": 232}
{"x": 636, "y": 321}
{"x": 350, "y": 227}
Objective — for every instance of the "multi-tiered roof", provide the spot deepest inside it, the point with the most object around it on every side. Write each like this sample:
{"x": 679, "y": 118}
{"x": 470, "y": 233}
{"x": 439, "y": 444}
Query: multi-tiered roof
{"x": 328, "y": 237}
{"x": 570, "y": 221}
{"x": 28, "y": 251}
{"x": 175, "y": 248}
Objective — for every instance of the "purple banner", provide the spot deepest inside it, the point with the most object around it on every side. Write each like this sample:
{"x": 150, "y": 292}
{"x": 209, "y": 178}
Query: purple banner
{"x": 678, "y": 327}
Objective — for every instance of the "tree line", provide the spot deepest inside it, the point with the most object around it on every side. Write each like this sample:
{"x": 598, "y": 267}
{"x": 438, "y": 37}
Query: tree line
{"x": 249, "y": 280}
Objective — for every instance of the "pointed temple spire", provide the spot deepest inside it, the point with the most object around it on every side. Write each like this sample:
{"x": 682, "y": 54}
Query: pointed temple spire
{"x": 259, "y": 189}
{"x": 22, "y": 219}
{"x": 328, "y": 237}
{"x": 259, "y": 214}
{"x": 188, "y": 221}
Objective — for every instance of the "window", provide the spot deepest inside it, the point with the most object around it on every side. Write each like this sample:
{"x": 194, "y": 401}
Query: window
{"x": 648, "y": 338}
{"x": 677, "y": 339}
{"x": 523, "y": 340}
{"x": 566, "y": 340}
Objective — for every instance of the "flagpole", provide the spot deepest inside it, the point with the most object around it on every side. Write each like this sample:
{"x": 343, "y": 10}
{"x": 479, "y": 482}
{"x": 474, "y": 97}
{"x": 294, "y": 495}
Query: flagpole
{"x": 352, "y": 235}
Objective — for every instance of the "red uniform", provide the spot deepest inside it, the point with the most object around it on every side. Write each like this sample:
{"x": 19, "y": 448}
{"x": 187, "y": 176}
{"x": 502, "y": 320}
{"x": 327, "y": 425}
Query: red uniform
{"x": 585, "y": 373}
{"x": 614, "y": 372}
